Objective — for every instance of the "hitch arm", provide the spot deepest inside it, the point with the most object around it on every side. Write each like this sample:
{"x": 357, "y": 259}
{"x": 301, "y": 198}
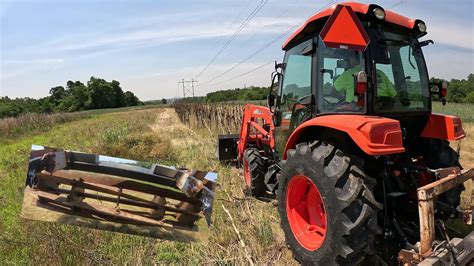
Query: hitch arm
{"x": 449, "y": 178}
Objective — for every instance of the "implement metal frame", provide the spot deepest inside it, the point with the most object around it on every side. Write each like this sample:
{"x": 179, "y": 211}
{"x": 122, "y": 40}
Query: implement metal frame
{"x": 448, "y": 178}
{"x": 69, "y": 182}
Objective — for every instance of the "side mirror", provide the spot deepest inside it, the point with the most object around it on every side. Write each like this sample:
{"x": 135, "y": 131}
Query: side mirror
{"x": 271, "y": 96}
{"x": 440, "y": 88}
{"x": 270, "y": 100}
{"x": 277, "y": 116}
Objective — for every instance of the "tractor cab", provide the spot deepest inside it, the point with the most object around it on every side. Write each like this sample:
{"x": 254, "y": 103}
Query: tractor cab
{"x": 353, "y": 59}
{"x": 359, "y": 164}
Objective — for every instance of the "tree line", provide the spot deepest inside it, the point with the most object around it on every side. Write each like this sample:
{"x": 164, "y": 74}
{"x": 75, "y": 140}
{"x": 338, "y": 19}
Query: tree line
{"x": 461, "y": 91}
{"x": 97, "y": 93}
{"x": 237, "y": 94}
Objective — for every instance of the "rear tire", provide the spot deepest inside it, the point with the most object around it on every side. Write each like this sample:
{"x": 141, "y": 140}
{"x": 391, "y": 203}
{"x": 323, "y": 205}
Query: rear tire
{"x": 348, "y": 205}
{"x": 254, "y": 172}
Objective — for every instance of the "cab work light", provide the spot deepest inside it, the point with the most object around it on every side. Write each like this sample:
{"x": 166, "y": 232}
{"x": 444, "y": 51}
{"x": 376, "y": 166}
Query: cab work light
{"x": 421, "y": 26}
{"x": 379, "y": 13}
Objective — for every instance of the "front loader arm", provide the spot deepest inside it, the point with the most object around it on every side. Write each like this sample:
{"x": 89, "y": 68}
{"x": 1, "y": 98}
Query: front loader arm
{"x": 257, "y": 128}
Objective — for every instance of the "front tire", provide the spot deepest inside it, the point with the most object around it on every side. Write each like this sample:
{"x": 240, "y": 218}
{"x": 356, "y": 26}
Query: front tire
{"x": 254, "y": 172}
{"x": 326, "y": 204}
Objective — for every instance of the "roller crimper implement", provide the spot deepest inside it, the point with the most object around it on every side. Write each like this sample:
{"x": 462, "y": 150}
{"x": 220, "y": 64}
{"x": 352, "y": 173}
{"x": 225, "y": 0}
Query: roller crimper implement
{"x": 118, "y": 190}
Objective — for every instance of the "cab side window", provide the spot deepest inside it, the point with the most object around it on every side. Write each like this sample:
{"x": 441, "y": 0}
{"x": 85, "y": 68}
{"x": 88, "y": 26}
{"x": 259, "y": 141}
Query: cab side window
{"x": 296, "y": 83}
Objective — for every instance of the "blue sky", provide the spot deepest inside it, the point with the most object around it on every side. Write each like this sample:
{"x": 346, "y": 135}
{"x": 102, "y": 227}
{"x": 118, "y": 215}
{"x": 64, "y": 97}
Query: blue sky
{"x": 150, "y": 45}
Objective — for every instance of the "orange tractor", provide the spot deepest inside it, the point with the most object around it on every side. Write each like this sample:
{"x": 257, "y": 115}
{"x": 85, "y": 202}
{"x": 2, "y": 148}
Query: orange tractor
{"x": 361, "y": 167}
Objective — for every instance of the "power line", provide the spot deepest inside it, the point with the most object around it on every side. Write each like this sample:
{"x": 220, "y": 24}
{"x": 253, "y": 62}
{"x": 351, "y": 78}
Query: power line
{"x": 278, "y": 16}
{"x": 399, "y": 3}
{"x": 234, "y": 21}
{"x": 245, "y": 73}
{"x": 240, "y": 14}
{"x": 259, "y": 50}
{"x": 237, "y": 31}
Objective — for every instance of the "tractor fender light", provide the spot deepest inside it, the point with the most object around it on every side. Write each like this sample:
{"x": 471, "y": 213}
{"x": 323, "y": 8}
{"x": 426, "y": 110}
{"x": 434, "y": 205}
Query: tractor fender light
{"x": 421, "y": 27}
{"x": 379, "y": 13}
{"x": 444, "y": 89}
{"x": 361, "y": 83}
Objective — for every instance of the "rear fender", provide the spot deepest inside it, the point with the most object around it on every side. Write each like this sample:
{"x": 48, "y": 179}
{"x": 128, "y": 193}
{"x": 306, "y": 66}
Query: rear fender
{"x": 373, "y": 135}
{"x": 446, "y": 127}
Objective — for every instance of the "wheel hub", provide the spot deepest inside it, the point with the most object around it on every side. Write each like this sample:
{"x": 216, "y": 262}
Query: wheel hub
{"x": 306, "y": 212}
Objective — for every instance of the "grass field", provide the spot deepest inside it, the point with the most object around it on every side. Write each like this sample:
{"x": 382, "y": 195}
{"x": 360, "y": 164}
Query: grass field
{"x": 152, "y": 135}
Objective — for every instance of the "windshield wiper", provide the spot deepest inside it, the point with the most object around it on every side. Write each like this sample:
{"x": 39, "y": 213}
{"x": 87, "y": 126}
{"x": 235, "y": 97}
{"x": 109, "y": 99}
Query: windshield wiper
{"x": 409, "y": 57}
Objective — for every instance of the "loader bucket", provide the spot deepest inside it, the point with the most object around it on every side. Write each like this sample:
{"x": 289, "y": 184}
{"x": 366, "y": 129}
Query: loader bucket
{"x": 227, "y": 147}
{"x": 117, "y": 194}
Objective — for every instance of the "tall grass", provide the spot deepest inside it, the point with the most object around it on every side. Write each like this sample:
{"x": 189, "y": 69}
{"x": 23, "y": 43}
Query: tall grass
{"x": 31, "y": 122}
{"x": 465, "y": 111}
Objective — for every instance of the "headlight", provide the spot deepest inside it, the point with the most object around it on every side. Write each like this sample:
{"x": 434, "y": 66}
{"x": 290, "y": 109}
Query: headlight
{"x": 421, "y": 27}
{"x": 379, "y": 13}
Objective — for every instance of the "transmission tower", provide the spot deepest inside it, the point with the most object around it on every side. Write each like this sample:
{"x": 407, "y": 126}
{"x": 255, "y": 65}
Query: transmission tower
{"x": 188, "y": 90}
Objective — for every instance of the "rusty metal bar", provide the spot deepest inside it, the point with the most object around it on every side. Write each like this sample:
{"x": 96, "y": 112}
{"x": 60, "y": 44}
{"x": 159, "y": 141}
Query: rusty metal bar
{"x": 427, "y": 225}
{"x": 123, "y": 183}
{"x": 450, "y": 178}
{"x": 116, "y": 191}
{"x": 149, "y": 205}
{"x": 128, "y": 199}
{"x": 99, "y": 209}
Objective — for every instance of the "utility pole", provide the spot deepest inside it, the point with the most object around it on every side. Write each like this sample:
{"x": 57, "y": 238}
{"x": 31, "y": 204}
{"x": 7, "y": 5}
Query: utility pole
{"x": 188, "y": 91}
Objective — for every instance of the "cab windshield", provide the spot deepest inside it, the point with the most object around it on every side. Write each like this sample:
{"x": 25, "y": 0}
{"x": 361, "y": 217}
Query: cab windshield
{"x": 402, "y": 83}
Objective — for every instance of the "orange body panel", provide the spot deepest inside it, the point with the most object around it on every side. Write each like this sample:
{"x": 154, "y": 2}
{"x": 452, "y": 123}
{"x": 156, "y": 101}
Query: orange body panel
{"x": 446, "y": 127}
{"x": 374, "y": 135}
{"x": 357, "y": 8}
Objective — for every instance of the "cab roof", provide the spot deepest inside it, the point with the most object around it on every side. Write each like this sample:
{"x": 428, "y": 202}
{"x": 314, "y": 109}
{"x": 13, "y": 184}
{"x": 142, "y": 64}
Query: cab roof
{"x": 358, "y": 8}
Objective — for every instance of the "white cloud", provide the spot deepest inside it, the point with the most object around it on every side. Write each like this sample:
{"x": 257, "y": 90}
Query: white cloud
{"x": 157, "y": 34}
{"x": 451, "y": 34}
{"x": 34, "y": 61}
{"x": 449, "y": 64}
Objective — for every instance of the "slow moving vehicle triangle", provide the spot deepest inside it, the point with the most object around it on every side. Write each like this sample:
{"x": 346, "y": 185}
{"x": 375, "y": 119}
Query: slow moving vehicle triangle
{"x": 344, "y": 30}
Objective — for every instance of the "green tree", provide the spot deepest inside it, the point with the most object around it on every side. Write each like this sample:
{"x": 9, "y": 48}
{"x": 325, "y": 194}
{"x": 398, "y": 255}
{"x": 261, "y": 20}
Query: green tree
{"x": 131, "y": 99}
{"x": 57, "y": 94}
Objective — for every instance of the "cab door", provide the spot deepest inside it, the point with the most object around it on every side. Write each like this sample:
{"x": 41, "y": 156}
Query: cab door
{"x": 295, "y": 92}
